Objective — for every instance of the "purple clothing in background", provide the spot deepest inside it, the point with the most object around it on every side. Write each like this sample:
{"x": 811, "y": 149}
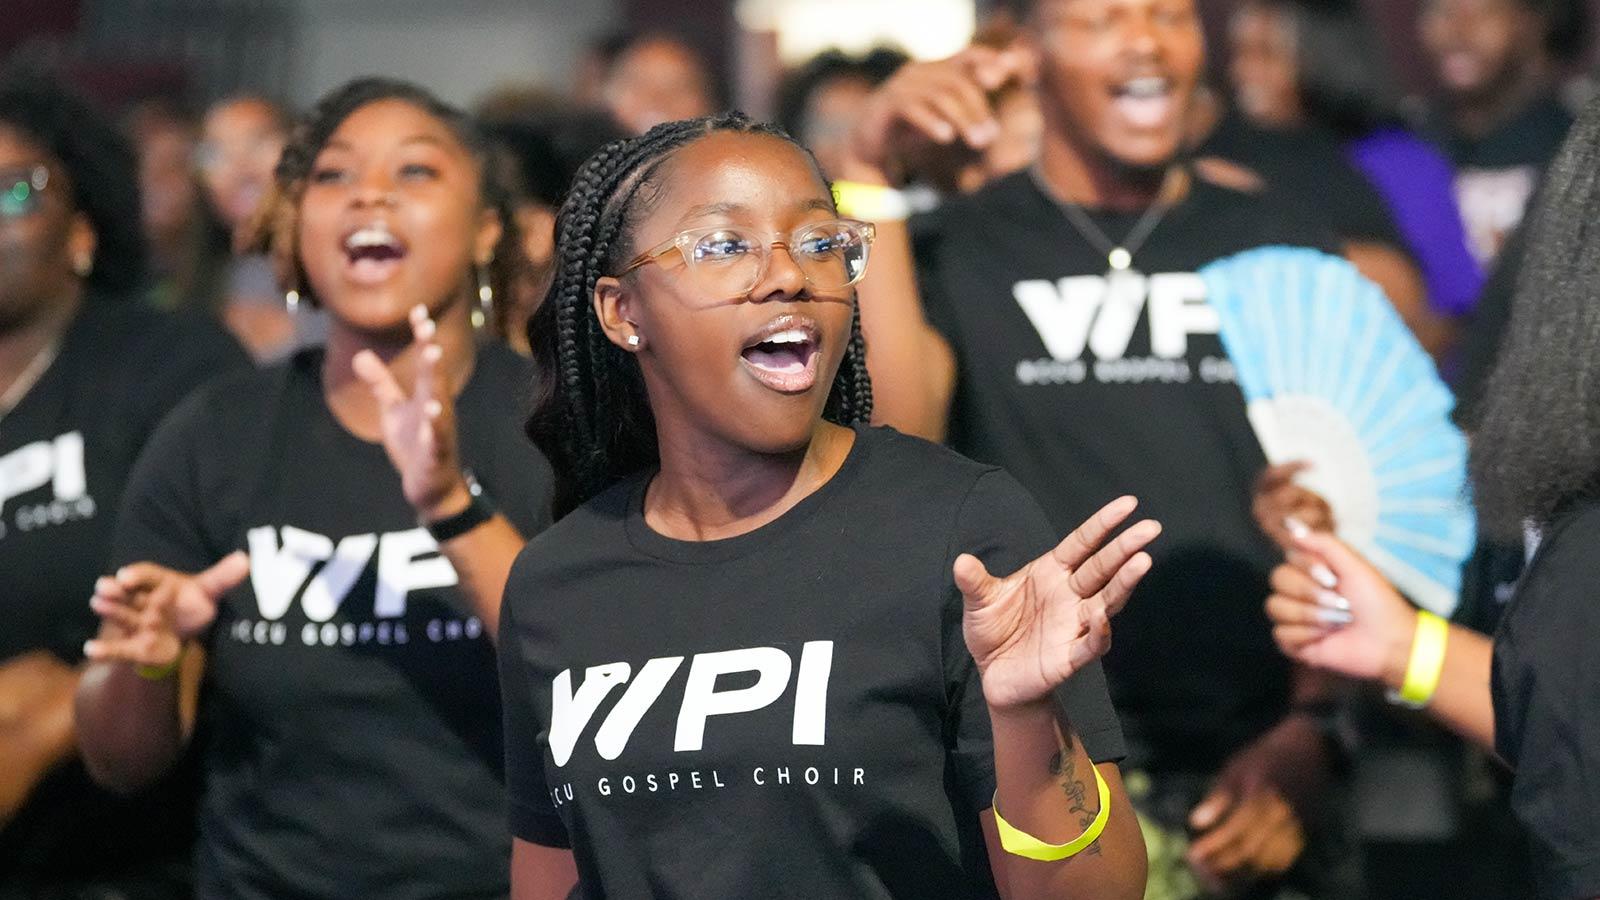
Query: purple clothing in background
{"x": 1418, "y": 184}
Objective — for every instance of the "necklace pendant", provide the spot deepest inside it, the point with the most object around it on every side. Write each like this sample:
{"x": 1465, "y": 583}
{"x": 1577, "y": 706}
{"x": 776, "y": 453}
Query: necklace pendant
{"x": 1120, "y": 259}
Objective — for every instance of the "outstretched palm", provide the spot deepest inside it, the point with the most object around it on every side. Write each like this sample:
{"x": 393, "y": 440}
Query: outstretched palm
{"x": 1030, "y": 631}
{"x": 418, "y": 427}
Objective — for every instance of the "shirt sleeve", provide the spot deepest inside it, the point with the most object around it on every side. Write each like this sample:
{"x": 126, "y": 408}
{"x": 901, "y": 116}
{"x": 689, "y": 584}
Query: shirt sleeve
{"x": 1002, "y": 525}
{"x": 1546, "y": 676}
{"x": 163, "y": 514}
{"x": 182, "y": 354}
{"x": 532, "y": 813}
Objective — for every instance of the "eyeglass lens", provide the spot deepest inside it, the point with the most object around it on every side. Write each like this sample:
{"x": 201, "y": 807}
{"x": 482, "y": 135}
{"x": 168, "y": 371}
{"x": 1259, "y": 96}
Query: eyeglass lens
{"x": 729, "y": 262}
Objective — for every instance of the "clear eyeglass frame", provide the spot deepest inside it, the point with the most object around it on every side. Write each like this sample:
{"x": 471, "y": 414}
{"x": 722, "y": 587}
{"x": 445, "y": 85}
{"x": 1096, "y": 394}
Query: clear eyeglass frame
{"x": 686, "y": 242}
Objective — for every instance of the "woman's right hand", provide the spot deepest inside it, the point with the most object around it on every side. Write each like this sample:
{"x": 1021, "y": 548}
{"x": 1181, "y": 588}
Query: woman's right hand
{"x": 1332, "y": 610}
{"x": 149, "y": 611}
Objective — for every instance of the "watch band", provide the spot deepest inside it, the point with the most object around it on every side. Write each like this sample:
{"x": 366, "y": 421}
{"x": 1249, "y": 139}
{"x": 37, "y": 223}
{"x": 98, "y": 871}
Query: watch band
{"x": 479, "y": 510}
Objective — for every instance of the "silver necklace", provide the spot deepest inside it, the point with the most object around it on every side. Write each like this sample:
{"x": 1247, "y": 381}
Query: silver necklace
{"x": 29, "y": 377}
{"x": 1119, "y": 256}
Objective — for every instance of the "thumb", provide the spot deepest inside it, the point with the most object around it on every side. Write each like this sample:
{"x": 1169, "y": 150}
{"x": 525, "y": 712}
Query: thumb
{"x": 973, "y": 580}
{"x": 1210, "y": 810}
{"x": 225, "y": 575}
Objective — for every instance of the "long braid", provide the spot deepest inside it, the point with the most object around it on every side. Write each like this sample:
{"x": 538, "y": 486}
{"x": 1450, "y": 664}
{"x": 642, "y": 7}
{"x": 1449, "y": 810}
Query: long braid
{"x": 592, "y": 417}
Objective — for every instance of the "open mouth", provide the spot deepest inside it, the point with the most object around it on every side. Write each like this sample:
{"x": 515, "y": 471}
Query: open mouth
{"x": 783, "y": 355}
{"x": 1145, "y": 102}
{"x": 373, "y": 254}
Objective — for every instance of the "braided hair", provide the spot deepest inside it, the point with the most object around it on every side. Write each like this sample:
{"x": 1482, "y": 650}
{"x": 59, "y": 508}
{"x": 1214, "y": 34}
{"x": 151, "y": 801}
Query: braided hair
{"x": 277, "y": 226}
{"x": 591, "y": 416}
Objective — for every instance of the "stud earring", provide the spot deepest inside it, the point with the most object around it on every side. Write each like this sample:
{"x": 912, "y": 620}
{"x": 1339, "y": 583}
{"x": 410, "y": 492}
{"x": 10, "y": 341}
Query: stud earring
{"x": 633, "y": 341}
{"x": 83, "y": 266}
{"x": 291, "y": 301}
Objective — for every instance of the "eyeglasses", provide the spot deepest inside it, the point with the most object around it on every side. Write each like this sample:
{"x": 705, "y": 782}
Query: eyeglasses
{"x": 729, "y": 262}
{"x": 21, "y": 190}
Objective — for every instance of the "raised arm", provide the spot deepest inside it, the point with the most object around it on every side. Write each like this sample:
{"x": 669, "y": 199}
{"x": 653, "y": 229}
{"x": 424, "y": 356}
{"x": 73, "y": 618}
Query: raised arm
{"x": 912, "y": 366}
{"x": 420, "y": 437}
{"x": 1028, "y": 633}
{"x": 136, "y": 701}
{"x": 1331, "y": 609}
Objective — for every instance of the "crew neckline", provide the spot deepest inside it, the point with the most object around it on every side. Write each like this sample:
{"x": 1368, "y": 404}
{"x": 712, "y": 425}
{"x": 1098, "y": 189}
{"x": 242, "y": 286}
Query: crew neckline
{"x": 659, "y": 546}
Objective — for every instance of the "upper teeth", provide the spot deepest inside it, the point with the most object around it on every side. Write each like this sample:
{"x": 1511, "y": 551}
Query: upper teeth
{"x": 1146, "y": 87}
{"x": 792, "y": 336}
{"x": 370, "y": 237}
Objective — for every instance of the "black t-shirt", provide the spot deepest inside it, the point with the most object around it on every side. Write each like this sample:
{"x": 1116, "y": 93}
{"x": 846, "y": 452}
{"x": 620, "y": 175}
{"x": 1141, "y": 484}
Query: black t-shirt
{"x": 349, "y": 728}
{"x": 1085, "y": 394}
{"x": 787, "y": 713}
{"x": 1497, "y": 174}
{"x": 1546, "y": 687}
{"x": 1308, "y": 167}
{"x": 65, "y": 453}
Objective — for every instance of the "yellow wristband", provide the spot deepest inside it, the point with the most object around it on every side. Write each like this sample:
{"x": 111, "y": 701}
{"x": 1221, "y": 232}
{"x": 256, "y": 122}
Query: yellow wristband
{"x": 162, "y": 673}
{"x": 1020, "y": 843}
{"x": 870, "y": 202}
{"x": 1427, "y": 660}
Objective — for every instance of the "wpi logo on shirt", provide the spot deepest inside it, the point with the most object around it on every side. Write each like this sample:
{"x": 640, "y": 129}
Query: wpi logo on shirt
{"x": 55, "y": 463}
{"x": 571, "y": 712}
{"x": 1100, "y": 314}
{"x": 287, "y": 562}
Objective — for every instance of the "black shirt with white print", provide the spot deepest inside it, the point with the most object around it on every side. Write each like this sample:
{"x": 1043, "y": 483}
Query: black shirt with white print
{"x": 66, "y": 450}
{"x": 788, "y": 713}
{"x": 1085, "y": 389}
{"x": 349, "y": 726}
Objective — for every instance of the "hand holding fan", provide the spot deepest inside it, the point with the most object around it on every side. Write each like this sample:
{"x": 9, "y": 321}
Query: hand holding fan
{"x": 1332, "y": 376}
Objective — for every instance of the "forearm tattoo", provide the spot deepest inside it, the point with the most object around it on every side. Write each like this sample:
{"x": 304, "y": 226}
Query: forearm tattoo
{"x": 1064, "y": 765}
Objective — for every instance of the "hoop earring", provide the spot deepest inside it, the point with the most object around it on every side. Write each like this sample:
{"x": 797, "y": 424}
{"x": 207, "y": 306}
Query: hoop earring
{"x": 291, "y": 302}
{"x": 485, "y": 310}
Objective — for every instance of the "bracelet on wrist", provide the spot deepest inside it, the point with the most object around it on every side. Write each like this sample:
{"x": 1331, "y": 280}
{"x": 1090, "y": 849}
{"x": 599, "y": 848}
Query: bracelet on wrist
{"x": 1017, "y": 842}
{"x": 162, "y": 673}
{"x": 1426, "y": 662}
{"x": 871, "y": 202}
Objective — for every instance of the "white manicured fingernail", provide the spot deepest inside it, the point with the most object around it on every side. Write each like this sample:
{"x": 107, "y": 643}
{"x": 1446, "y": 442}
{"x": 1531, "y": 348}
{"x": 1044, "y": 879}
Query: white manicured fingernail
{"x": 1324, "y": 576}
{"x": 1296, "y": 528}
{"x": 1331, "y": 600}
{"x": 1334, "y": 617}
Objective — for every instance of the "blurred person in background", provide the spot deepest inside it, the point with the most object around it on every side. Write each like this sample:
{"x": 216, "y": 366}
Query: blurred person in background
{"x": 1230, "y": 752}
{"x": 537, "y": 153}
{"x": 1500, "y": 119}
{"x": 820, "y": 101}
{"x": 240, "y": 140}
{"x": 86, "y": 372}
{"x": 189, "y": 247}
{"x": 1317, "y": 66}
{"x": 311, "y": 556}
{"x": 654, "y": 77}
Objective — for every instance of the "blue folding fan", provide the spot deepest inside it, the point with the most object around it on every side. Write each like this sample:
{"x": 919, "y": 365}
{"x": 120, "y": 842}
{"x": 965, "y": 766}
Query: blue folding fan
{"x": 1332, "y": 376}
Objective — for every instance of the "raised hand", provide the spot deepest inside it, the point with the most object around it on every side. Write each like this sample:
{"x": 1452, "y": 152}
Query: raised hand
{"x": 419, "y": 428}
{"x": 1029, "y": 631}
{"x": 1331, "y": 609}
{"x": 150, "y": 611}
{"x": 939, "y": 102}
{"x": 1278, "y": 497}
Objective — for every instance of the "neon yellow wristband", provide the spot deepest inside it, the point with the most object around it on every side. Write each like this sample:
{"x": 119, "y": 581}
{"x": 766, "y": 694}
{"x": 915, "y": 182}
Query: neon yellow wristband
{"x": 1020, "y": 843}
{"x": 871, "y": 202}
{"x": 1427, "y": 660}
{"x": 162, "y": 673}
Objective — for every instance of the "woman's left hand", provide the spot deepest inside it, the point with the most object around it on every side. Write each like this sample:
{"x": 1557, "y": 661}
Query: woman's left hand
{"x": 419, "y": 429}
{"x": 1030, "y": 631}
